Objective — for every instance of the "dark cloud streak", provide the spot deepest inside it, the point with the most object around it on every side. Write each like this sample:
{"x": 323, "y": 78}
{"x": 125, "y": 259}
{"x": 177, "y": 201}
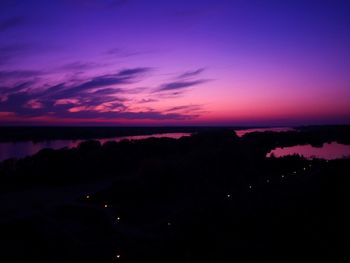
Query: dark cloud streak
{"x": 126, "y": 76}
{"x": 101, "y": 96}
{"x": 185, "y": 108}
{"x": 93, "y": 98}
{"x": 190, "y": 74}
{"x": 155, "y": 115}
{"x": 181, "y": 85}
{"x": 183, "y": 81}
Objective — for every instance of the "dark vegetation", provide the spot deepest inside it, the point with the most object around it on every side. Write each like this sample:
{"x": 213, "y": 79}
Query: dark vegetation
{"x": 212, "y": 197}
{"x": 35, "y": 133}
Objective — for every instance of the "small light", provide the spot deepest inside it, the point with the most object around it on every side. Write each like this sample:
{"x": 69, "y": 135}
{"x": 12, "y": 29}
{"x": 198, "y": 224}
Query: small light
{"x": 267, "y": 181}
{"x": 228, "y": 196}
{"x": 118, "y": 218}
{"x": 294, "y": 172}
{"x": 282, "y": 175}
{"x": 169, "y": 224}
{"x": 118, "y": 256}
{"x": 87, "y": 197}
{"x": 250, "y": 187}
{"x": 105, "y": 205}
{"x": 304, "y": 168}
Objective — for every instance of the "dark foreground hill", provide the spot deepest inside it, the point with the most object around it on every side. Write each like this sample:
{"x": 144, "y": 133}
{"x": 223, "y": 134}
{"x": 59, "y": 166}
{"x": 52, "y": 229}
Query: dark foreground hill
{"x": 212, "y": 197}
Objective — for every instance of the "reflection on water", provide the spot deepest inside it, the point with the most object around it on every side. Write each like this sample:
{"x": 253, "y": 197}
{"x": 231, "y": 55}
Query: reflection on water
{"x": 22, "y": 149}
{"x": 328, "y": 151}
{"x": 241, "y": 133}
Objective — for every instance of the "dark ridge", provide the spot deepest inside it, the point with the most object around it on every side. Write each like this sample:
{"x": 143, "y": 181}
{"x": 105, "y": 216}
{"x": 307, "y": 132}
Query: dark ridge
{"x": 211, "y": 197}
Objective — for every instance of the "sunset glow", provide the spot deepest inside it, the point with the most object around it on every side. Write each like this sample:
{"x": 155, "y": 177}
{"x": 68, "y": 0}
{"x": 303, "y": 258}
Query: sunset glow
{"x": 119, "y": 62}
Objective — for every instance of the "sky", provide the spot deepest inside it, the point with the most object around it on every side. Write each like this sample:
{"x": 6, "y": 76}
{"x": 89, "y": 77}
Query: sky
{"x": 193, "y": 62}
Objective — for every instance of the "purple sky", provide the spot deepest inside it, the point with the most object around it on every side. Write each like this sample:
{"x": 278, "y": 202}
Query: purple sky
{"x": 138, "y": 62}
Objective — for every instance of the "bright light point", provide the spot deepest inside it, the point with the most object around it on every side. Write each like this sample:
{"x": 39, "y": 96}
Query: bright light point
{"x": 118, "y": 256}
{"x": 169, "y": 224}
{"x": 105, "y": 206}
{"x": 267, "y": 181}
{"x": 282, "y": 176}
{"x": 250, "y": 187}
{"x": 87, "y": 197}
{"x": 118, "y": 218}
{"x": 228, "y": 196}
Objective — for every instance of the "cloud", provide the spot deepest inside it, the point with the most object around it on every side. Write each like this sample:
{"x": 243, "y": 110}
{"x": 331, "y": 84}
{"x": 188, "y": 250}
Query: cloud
{"x": 135, "y": 90}
{"x": 124, "y": 53}
{"x": 11, "y": 23}
{"x": 103, "y": 97}
{"x": 190, "y": 74}
{"x": 16, "y": 88}
{"x": 185, "y": 108}
{"x": 142, "y": 115}
{"x": 34, "y": 104}
{"x": 134, "y": 71}
{"x": 183, "y": 81}
{"x": 147, "y": 101}
{"x": 66, "y": 102}
{"x": 126, "y": 76}
{"x": 95, "y": 101}
{"x": 79, "y": 65}
{"x": 108, "y": 91}
{"x": 181, "y": 84}
{"x": 16, "y": 102}
{"x": 98, "y": 82}
{"x": 171, "y": 95}
{"x": 99, "y": 108}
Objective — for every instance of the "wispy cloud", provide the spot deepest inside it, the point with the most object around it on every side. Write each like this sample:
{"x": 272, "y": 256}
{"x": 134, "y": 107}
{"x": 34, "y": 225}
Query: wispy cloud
{"x": 181, "y": 85}
{"x": 80, "y": 66}
{"x": 147, "y": 101}
{"x": 102, "y": 96}
{"x": 190, "y": 74}
{"x": 125, "y": 53}
{"x": 183, "y": 81}
{"x": 154, "y": 115}
{"x": 185, "y": 108}
{"x": 126, "y": 76}
{"x": 118, "y": 52}
{"x": 170, "y": 95}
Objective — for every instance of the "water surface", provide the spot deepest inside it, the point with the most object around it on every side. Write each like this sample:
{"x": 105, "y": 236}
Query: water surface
{"x": 27, "y": 148}
{"x": 328, "y": 151}
{"x": 241, "y": 133}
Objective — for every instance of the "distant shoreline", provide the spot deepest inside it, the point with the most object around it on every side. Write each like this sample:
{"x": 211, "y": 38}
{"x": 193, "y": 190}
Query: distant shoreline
{"x": 44, "y": 133}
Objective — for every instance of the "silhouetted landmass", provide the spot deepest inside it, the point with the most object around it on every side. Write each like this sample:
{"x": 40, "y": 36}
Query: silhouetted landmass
{"x": 211, "y": 197}
{"x": 35, "y": 133}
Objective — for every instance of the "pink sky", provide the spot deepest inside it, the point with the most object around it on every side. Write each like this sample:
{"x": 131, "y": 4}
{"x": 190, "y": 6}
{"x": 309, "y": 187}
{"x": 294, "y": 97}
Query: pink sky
{"x": 174, "y": 63}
